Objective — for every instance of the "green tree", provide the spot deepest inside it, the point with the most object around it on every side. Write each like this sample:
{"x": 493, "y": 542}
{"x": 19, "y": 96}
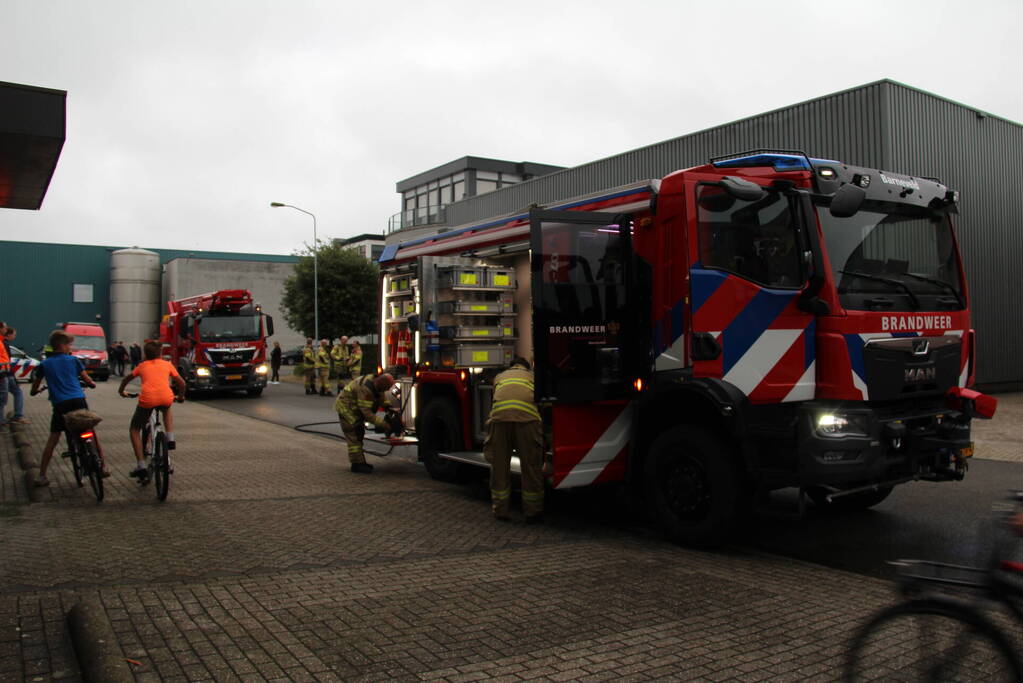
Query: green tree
{"x": 347, "y": 293}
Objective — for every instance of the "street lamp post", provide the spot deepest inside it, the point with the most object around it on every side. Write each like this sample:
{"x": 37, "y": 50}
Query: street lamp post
{"x": 316, "y": 283}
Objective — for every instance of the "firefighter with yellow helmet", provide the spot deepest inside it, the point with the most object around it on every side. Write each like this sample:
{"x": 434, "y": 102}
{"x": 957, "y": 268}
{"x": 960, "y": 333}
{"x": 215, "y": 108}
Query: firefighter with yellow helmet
{"x": 357, "y": 404}
{"x": 514, "y": 423}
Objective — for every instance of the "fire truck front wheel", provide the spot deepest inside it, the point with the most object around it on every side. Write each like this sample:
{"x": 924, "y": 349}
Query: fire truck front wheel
{"x": 692, "y": 485}
{"x": 439, "y": 431}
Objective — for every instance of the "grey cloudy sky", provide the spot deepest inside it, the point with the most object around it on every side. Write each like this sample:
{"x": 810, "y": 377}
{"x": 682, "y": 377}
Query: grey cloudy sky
{"x": 186, "y": 118}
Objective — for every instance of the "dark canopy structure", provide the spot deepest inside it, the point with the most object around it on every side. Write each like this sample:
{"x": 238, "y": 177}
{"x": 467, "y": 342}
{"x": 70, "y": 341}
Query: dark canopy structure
{"x": 32, "y": 127}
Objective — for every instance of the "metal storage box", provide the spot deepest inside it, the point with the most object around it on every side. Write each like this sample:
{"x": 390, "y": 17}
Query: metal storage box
{"x": 471, "y": 332}
{"x": 475, "y": 355}
{"x": 502, "y": 278}
{"x": 460, "y": 276}
{"x": 491, "y": 307}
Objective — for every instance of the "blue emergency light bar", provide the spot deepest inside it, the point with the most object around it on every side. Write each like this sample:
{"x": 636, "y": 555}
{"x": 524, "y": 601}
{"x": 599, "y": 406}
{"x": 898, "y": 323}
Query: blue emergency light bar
{"x": 778, "y": 161}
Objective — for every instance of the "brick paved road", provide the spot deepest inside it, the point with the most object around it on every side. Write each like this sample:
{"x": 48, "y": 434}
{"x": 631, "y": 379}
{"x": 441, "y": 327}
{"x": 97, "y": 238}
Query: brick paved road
{"x": 270, "y": 560}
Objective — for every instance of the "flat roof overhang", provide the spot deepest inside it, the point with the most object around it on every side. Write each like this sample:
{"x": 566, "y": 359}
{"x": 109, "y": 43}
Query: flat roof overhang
{"x": 32, "y": 130}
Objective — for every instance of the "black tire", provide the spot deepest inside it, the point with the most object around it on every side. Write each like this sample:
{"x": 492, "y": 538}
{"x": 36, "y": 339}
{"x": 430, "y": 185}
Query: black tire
{"x": 257, "y": 391}
{"x": 161, "y": 467}
{"x": 93, "y": 468}
{"x": 76, "y": 465}
{"x": 104, "y": 377}
{"x": 692, "y": 488}
{"x": 934, "y": 639}
{"x": 851, "y": 503}
{"x": 440, "y": 431}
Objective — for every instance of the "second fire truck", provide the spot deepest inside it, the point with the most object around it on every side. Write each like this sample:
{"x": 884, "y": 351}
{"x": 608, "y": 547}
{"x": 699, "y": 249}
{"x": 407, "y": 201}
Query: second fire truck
{"x": 217, "y": 341}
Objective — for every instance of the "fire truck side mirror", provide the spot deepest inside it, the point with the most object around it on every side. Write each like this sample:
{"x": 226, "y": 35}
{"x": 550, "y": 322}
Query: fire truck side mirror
{"x": 743, "y": 189}
{"x": 847, "y": 201}
{"x": 269, "y": 325}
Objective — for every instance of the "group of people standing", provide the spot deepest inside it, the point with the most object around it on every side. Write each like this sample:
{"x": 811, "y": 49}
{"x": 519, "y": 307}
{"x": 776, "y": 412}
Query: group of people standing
{"x": 120, "y": 355}
{"x": 326, "y": 362}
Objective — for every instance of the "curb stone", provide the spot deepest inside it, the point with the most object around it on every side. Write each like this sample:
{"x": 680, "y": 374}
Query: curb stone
{"x": 27, "y": 458}
{"x": 95, "y": 643}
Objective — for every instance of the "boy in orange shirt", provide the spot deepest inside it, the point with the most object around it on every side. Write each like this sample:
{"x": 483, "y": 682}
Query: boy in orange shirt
{"x": 156, "y": 394}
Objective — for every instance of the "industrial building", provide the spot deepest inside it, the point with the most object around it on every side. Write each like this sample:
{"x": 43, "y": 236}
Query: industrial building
{"x": 124, "y": 289}
{"x": 884, "y": 125}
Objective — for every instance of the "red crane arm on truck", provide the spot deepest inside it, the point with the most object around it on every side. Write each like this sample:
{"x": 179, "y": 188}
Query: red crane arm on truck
{"x": 224, "y": 299}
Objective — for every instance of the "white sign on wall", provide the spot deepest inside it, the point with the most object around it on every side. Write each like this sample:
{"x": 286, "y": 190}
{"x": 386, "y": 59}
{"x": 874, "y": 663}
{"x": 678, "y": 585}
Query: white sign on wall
{"x": 82, "y": 294}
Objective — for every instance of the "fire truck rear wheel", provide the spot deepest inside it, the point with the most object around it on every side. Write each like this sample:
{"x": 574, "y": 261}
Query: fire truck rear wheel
{"x": 692, "y": 486}
{"x": 439, "y": 431}
{"x": 850, "y": 503}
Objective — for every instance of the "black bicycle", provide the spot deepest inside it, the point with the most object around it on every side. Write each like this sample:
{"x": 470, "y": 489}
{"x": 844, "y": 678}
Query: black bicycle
{"x": 84, "y": 454}
{"x": 157, "y": 456}
{"x": 947, "y": 629}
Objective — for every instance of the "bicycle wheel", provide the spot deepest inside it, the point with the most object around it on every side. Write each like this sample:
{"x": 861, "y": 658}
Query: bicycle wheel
{"x": 161, "y": 466}
{"x": 933, "y": 639}
{"x": 92, "y": 466}
{"x": 76, "y": 463}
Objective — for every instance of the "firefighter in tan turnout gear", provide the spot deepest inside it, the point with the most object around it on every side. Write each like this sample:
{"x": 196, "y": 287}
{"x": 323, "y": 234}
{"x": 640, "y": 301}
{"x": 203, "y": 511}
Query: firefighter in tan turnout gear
{"x": 515, "y": 424}
{"x": 309, "y": 366}
{"x": 357, "y": 404}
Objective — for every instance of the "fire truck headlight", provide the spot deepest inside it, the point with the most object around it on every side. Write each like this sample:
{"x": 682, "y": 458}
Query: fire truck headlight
{"x": 202, "y": 371}
{"x": 838, "y": 425}
{"x": 262, "y": 369}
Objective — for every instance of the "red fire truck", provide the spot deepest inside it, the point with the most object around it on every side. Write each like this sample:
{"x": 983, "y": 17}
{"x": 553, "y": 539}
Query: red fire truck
{"x": 764, "y": 321}
{"x": 217, "y": 341}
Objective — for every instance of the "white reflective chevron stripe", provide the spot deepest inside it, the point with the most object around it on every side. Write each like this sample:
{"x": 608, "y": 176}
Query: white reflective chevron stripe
{"x": 601, "y": 453}
{"x": 671, "y": 358}
{"x": 806, "y": 388}
{"x": 761, "y": 358}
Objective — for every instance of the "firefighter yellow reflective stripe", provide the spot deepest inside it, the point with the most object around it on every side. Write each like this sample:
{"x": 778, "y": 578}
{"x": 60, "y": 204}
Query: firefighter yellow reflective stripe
{"x": 513, "y": 404}
{"x": 532, "y": 497}
{"x": 520, "y": 382}
{"x": 497, "y": 495}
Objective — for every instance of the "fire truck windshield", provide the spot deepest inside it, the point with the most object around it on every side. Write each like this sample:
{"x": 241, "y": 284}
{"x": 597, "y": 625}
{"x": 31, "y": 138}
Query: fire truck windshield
{"x": 899, "y": 259}
{"x": 229, "y": 328}
{"x": 83, "y": 343}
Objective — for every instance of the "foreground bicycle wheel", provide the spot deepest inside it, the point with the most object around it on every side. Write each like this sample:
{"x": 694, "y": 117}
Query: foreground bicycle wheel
{"x": 932, "y": 639}
{"x": 92, "y": 466}
{"x": 76, "y": 465}
{"x": 161, "y": 466}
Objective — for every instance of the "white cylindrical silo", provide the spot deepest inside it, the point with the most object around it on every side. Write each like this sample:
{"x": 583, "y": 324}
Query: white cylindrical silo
{"x": 134, "y": 295}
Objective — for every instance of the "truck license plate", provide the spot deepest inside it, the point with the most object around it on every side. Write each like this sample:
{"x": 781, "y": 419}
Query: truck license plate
{"x": 234, "y": 376}
{"x": 966, "y": 452}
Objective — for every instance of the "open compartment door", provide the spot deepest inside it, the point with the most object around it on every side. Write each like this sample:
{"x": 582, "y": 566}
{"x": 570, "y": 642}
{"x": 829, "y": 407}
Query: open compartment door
{"x": 587, "y": 331}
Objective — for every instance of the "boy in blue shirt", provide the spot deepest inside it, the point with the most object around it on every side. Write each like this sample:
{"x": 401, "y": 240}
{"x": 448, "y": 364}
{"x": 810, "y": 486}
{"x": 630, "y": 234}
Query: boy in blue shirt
{"x": 62, "y": 372}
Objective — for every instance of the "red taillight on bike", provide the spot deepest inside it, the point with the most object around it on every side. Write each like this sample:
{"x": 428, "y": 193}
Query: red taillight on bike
{"x": 86, "y": 435}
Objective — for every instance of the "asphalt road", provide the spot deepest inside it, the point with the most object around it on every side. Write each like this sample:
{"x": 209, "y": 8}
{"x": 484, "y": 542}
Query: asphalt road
{"x": 938, "y": 521}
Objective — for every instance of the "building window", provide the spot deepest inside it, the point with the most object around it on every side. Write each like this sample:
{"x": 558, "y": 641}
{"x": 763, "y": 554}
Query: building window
{"x": 459, "y": 189}
{"x": 484, "y": 186}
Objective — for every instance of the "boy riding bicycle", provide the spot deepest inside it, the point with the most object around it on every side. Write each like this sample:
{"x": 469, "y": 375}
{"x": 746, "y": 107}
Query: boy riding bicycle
{"x": 64, "y": 376}
{"x": 156, "y": 394}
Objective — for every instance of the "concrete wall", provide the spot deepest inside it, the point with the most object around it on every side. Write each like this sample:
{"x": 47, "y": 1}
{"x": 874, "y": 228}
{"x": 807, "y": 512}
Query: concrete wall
{"x": 184, "y": 277}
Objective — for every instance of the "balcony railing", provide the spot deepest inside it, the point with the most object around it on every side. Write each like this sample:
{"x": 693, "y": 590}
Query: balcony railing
{"x": 427, "y": 215}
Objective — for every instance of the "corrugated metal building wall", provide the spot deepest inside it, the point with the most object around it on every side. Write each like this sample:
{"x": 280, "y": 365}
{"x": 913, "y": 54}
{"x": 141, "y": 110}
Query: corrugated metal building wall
{"x": 885, "y": 125}
{"x": 38, "y": 279}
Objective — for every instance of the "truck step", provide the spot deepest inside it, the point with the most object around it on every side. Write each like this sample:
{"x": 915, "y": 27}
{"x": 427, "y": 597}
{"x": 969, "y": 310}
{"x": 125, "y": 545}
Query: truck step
{"x": 476, "y": 458}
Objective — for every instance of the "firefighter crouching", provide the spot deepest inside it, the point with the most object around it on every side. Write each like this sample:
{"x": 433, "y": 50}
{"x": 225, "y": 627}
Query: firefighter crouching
{"x": 309, "y": 366}
{"x": 357, "y": 404}
{"x": 323, "y": 367}
{"x": 515, "y": 424}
